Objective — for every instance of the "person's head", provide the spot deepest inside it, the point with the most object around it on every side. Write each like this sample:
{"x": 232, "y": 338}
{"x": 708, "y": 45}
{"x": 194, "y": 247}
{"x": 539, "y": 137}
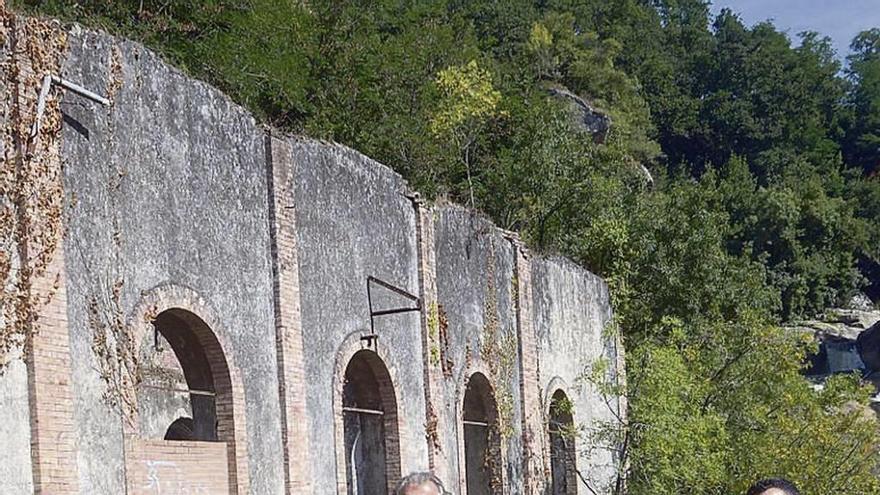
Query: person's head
{"x": 773, "y": 486}
{"x": 420, "y": 484}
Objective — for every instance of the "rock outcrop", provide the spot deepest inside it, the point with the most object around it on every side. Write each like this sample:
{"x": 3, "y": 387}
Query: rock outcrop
{"x": 868, "y": 347}
{"x": 586, "y": 117}
{"x": 849, "y": 340}
{"x": 590, "y": 120}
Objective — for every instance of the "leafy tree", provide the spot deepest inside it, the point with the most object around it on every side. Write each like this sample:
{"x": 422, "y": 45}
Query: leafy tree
{"x": 862, "y": 145}
{"x": 712, "y": 420}
{"x": 467, "y": 101}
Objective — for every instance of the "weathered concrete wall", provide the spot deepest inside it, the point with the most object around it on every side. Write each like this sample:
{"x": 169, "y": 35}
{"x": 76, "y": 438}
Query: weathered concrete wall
{"x": 168, "y": 186}
{"x": 38, "y": 455}
{"x": 475, "y": 266}
{"x": 571, "y": 314}
{"x": 15, "y": 459}
{"x": 353, "y": 221}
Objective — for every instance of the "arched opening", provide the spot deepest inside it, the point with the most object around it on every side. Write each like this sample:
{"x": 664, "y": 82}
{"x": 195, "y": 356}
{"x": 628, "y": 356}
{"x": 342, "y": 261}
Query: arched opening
{"x": 482, "y": 446}
{"x": 186, "y": 392}
{"x": 563, "y": 468}
{"x": 369, "y": 409}
{"x": 180, "y": 429}
{"x": 189, "y": 414}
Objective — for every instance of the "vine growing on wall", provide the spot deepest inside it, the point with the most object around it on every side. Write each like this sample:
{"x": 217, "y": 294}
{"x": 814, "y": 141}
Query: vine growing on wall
{"x": 434, "y": 332}
{"x": 31, "y": 197}
{"x": 116, "y": 350}
{"x": 114, "y": 343}
{"x": 431, "y": 428}
{"x": 438, "y": 331}
{"x": 498, "y": 350}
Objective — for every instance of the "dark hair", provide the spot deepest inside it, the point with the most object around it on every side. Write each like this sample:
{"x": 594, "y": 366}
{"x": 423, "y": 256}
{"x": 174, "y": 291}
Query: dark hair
{"x": 778, "y": 483}
{"x": 418, "y": 479}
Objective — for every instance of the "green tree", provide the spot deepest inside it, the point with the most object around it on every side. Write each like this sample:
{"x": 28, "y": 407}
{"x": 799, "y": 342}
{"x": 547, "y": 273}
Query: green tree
{"x": 467, "y": 101}
{"x": 712, "y": 419}
{"x": 862, "y": 145}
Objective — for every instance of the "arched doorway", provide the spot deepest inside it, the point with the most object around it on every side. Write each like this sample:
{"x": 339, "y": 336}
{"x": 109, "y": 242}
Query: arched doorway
{"x": 482, "y": 446}
{"x": 560, "y": 427}
{"x": 189, "y": 370}
{"x": 186, "y": 411}
{"x": 369, "y": 410}
{"x": 189, "y": 425}
{"x": 186, "y": 391}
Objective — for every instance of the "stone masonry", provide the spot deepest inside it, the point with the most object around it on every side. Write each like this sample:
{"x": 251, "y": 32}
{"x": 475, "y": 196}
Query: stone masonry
{"x": 244, "y": 258}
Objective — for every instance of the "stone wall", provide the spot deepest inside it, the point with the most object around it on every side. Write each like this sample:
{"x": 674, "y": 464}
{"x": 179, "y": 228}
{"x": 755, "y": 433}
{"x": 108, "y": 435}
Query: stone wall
{"x": 353, "y": 220}
{"x": 170, "y": 190}
{"x": 33, "y": 300}
{"x": 15, "y": 458}
{"x": 260, "y": 246}
{"x": 175, "y": 467}
{"x": 475, "y": 294}
{"x": 572, "y": 313}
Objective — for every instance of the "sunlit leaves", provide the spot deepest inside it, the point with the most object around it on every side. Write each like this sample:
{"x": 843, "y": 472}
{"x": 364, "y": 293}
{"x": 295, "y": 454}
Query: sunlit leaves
{"x": 468, "y": 98}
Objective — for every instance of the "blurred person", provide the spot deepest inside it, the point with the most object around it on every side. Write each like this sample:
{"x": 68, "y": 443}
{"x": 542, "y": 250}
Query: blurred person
{"x": 773, "y": 486}
{"x": 420, "y": 484}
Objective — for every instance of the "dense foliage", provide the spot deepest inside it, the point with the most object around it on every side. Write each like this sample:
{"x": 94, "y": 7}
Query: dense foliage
{"x": 762, "y": 205}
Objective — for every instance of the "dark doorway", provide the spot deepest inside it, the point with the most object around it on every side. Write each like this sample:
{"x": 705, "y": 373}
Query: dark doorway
{"x": 563, "y": 469}
{"x": 482, "y": 450}
{"x": 370, "y": 426}
{"x": 180, "y": 429}
{"x": 177, "y": 330}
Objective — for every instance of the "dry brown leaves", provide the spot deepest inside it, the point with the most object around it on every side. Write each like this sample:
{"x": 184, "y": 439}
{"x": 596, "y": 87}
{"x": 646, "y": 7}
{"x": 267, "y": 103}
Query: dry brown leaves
{"x": 31, "y": 198}
{"x": 116, "y": 350}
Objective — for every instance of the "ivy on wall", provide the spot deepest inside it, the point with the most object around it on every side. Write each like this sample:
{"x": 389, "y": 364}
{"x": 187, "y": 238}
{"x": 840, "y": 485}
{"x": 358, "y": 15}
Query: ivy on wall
{"x": 31, "y": 197}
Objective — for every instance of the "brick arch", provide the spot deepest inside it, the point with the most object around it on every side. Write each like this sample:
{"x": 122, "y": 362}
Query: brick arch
{"x": 556, "y": 383}
{"x": 204, "y": 323}
{"x": 481, "y": 371}
{"x": 377, "y": 356}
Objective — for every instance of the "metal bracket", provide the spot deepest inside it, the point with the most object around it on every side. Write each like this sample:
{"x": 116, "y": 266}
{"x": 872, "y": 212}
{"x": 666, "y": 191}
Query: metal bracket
{"x": 371, "y": 280}
{"x": 48, "y": 81}
{"x": 359, "y": 410}
{"x": 156, "y": 344}
{"x": 192, "y": 391}
{"x": 475, "y": 423}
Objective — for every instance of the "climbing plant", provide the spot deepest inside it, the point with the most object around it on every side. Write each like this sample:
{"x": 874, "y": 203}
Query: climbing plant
{"x": 31, "y": 198}
{"x": 116, "y": 350}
